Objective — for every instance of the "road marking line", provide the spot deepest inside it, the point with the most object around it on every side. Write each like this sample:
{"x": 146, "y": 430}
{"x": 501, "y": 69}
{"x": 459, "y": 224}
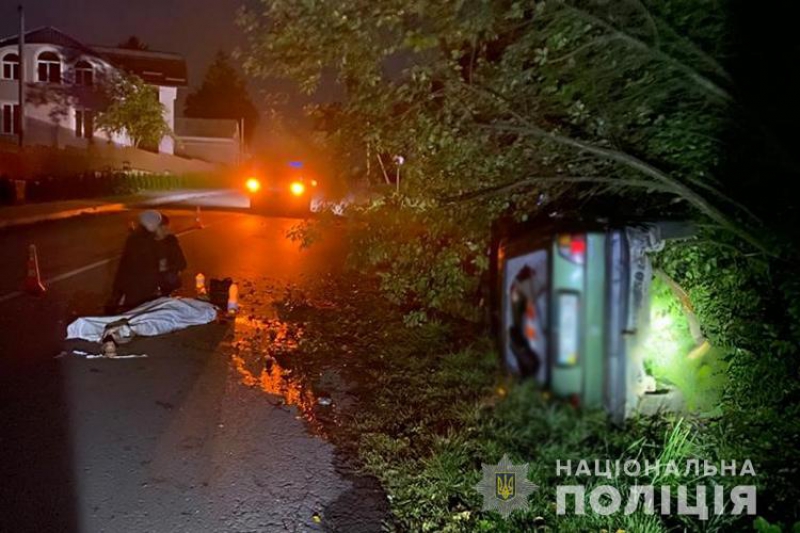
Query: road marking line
{"x": 81, "y": 270}
{"x": 10, "y": 296}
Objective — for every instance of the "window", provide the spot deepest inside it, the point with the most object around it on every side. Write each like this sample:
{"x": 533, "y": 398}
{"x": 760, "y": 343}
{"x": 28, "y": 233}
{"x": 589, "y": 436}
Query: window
{"x": 49, "y": 67}
{"x": 84, "y": 123}
{"x": 10, "y": 67}
{"x": 84, "y": 73}
{"x": 10, "y": 120}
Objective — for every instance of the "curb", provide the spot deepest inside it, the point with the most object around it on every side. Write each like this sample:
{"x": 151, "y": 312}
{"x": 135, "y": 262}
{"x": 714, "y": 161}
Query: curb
{"x": 100, "y": 209}
{"x": 175, "y": 198}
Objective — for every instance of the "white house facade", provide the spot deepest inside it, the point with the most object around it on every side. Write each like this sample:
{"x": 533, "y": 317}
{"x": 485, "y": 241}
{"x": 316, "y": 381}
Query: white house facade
{"x": 210, "y": 140}
{"x": 61, "y": 75}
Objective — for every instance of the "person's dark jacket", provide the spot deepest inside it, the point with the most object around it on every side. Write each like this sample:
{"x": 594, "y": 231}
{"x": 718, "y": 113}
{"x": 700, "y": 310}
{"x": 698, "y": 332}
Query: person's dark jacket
{"x": 172, "y": 262}
{"x": 137, "y": 275}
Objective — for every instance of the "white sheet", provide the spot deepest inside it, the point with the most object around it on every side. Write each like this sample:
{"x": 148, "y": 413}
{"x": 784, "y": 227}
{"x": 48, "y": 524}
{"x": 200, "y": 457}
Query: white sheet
{"x": 149, "y": 319}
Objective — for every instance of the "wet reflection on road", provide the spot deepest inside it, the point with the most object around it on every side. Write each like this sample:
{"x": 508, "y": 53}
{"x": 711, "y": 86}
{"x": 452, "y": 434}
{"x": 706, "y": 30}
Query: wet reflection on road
{"x": 255, "y": 351}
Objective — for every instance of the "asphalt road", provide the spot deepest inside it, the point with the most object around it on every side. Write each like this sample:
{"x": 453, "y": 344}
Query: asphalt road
{"x": 197, "y": 436}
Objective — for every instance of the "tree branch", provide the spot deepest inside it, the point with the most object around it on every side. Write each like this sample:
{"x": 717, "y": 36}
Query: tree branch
{"x": 651, "y": 21}
{"x": 561, "y": 179}
{"x": 674, "y": 186}
{"x": 696, "y": 50}
{"x": 702, "y": 81}
{"x": 590, "y": 44}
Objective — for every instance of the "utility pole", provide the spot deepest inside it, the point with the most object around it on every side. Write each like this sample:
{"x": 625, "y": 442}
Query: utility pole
{"x": 369, "y": 163}
{"x": 242, "y": 157}
{"x": 21, "y": 70}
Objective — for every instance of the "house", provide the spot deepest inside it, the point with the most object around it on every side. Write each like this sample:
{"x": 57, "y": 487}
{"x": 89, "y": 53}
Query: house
{"x": 211, "y": 140}
{"x": 61, "y": 75}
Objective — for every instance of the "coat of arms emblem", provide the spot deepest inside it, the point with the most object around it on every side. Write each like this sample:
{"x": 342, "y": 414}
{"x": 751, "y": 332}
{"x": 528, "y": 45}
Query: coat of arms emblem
{"x": 505, "y": 487}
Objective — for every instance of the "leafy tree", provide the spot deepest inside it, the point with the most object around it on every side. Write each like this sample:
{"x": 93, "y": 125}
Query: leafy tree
{"x": 512, "y": 108}
{"x": 124, "y": 104}
{"x": 134, "y": 110}
{"x": 133, "y": 43}
{"x": 223, "y": 94}
{"x": 505, "y": 107}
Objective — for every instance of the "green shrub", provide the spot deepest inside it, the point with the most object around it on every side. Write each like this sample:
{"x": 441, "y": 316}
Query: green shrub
{"x": 749, "y": 306}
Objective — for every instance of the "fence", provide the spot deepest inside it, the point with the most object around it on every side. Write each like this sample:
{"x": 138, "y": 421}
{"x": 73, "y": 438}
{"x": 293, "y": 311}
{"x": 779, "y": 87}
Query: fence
{"x": 33, "y": 161}
{"x": 71, "y": 173}
{"x": 102, "y": 184}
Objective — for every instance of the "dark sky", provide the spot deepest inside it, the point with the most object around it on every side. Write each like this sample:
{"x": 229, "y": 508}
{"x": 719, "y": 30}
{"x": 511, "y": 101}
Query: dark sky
{"x": 196, "y": 29}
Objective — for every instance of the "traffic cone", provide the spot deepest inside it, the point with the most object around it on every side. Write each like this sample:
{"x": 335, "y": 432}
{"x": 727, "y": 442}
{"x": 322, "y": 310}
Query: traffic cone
{"x": 33, "y": 279}
{"x": 198, "y": 224}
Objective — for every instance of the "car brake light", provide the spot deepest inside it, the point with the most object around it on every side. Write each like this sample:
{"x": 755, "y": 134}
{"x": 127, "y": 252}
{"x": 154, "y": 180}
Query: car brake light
{"x": 297, "y": 188}
{"x": 253, "y": 185}
{"x": 572, "y": 247}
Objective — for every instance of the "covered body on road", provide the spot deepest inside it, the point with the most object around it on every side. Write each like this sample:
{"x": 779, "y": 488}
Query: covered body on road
{"x": 156, "y": 317}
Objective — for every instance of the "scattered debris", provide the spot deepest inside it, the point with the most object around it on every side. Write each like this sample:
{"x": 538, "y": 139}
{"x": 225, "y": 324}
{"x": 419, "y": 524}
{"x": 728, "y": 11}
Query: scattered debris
{"x": 88, "y": 355}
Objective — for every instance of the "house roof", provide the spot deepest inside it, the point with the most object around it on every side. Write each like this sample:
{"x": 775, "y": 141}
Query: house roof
{"x": 217, "y": 128}
{"x": 49, "y": 35}
{"x": 157, "y": 68}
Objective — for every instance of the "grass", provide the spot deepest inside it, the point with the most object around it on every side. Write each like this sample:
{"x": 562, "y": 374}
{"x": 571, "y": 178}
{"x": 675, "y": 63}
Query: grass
{"x": 432, "y": 405}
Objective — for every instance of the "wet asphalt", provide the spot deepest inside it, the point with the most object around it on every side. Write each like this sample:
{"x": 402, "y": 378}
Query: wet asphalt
{"x": 199, "y": 435}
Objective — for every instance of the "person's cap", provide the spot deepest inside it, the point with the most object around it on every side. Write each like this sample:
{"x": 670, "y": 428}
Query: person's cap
{"x": 150, "y": 219}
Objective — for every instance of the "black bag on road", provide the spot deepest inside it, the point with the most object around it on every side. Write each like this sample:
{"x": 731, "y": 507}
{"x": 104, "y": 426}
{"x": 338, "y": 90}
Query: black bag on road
{"x": 218, "y": 292}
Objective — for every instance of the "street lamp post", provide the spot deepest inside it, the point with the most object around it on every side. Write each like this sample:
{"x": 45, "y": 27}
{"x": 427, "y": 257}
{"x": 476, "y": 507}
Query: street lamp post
{"x": 398, "y": 160}
{"x": 21, "y": 71}
{"x": 242, "y": 148}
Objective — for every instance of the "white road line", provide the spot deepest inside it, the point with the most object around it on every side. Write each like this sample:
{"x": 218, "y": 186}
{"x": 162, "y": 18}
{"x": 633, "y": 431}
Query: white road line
{"x": 81, "y": 270}
{"x": 10, "y": 296}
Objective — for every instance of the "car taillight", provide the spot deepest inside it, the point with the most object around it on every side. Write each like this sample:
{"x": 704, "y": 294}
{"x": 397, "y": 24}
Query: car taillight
{"x": 572, "y": 247}
{"x": 253, "y": 185}
{"x": 297, "y": 188}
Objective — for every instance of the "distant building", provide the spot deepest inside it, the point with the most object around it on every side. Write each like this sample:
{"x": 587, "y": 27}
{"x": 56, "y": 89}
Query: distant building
{"x": 212, "y": 140}
{"x": 61, "y": 72}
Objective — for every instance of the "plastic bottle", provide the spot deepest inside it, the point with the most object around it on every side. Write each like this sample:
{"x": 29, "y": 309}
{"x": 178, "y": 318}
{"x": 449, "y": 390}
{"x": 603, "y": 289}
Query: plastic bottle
{"x": 200, "y": 284}
{"x": 233, "y": 298}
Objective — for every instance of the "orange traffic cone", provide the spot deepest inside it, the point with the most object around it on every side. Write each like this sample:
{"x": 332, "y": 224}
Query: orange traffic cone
{"x": 33, "y": 279}
{"x": 198, "y": 224}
